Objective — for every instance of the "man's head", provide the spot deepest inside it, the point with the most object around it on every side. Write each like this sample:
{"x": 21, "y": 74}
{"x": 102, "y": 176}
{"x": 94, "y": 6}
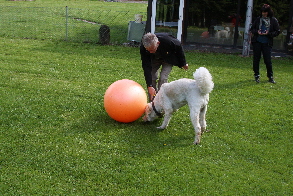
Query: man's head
{"x": 150, "y": 42}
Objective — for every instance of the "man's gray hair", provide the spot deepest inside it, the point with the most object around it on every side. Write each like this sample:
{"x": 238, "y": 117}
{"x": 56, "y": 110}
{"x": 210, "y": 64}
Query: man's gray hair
{"x": 149, "y": 40}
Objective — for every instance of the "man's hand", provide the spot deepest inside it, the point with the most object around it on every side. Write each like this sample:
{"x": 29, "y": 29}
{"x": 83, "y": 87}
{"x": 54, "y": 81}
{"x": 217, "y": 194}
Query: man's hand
{"x": 152, "y": 92}
{"x": 263, "y": 32}
{"x": 185, "y": 67}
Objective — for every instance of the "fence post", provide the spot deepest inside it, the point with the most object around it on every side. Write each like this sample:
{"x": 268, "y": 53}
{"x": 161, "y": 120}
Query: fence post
{"x": 66, "y": 25}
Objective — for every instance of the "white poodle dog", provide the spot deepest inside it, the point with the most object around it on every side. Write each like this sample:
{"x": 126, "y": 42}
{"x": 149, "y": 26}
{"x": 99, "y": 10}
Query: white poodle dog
{"x": 178, "y": 93}
{"x": 226, "y": 33}
{"x": 223, "y": 33}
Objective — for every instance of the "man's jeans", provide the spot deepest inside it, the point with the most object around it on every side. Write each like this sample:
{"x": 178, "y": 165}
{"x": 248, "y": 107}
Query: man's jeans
{"x": 164, "y": 74}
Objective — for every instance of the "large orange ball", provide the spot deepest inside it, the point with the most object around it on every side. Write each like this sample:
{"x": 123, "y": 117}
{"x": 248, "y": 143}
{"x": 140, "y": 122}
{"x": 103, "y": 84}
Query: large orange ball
{"x": 125, "y": 100}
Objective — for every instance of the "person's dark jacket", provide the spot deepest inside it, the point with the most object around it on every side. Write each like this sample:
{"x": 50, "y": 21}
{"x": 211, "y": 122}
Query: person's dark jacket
{"x": 273, "y": 31}
{"x": 170, "y": 50}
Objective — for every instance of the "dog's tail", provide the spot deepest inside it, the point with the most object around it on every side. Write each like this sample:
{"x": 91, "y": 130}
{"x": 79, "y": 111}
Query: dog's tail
{"x": 203, "y": 80}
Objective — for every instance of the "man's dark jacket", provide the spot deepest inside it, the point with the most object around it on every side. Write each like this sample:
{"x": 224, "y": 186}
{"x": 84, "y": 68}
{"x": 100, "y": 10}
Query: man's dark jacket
{"x": 170, "y": 50}
{"x": 273, "y": 31}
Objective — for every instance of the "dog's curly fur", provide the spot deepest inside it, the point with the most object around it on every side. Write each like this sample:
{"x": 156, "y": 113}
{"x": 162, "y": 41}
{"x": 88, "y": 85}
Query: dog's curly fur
{"x": 223, "y": 33}
{"x": 178, "y": 93}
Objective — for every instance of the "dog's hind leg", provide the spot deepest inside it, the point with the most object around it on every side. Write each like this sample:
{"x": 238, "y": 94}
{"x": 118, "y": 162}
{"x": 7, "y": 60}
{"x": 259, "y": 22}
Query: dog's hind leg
{"x": 194, "y": 117}
{"x": 202, "y": 118}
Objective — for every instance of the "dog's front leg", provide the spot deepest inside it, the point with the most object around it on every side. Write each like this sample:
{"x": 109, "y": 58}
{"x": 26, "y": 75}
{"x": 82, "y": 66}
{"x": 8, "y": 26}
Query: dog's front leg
{"x": 167, "y": 118}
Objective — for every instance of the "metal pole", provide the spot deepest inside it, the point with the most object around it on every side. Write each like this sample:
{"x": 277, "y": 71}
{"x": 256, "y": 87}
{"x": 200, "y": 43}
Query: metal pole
{"x": 153, "y": 18}
{"x": 185, "y": 21}
{"x": 246, "y": 41}
{"x": 180, "y": 21}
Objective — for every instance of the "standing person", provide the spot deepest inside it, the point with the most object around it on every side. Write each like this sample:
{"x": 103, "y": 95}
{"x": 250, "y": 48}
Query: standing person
{"x": 233, "y": 19}
{"x": 263, "y": 30}
{"x": 160, "y": 49}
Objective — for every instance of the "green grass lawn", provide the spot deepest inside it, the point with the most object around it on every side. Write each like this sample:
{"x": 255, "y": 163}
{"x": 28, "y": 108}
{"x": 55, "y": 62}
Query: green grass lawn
{"x": 71, "y": 20}
{"x": 57, "y": 139}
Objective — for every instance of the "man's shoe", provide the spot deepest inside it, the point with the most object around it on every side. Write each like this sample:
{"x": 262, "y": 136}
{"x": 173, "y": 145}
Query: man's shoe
{"x": 256, "y": 79}
{"x": 271, "y": 80}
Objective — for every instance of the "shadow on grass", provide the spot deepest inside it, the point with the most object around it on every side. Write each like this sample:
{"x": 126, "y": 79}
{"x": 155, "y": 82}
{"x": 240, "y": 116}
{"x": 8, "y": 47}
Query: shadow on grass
{"x": 137, "y": 138}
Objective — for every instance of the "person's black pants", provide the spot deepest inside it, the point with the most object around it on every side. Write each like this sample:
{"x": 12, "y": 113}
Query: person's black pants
{"x": 266, "y": 51}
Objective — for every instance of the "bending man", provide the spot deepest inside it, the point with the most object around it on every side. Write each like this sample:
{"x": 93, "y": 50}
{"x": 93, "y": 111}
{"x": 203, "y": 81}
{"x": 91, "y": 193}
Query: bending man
{"x": 160, "y": 50}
